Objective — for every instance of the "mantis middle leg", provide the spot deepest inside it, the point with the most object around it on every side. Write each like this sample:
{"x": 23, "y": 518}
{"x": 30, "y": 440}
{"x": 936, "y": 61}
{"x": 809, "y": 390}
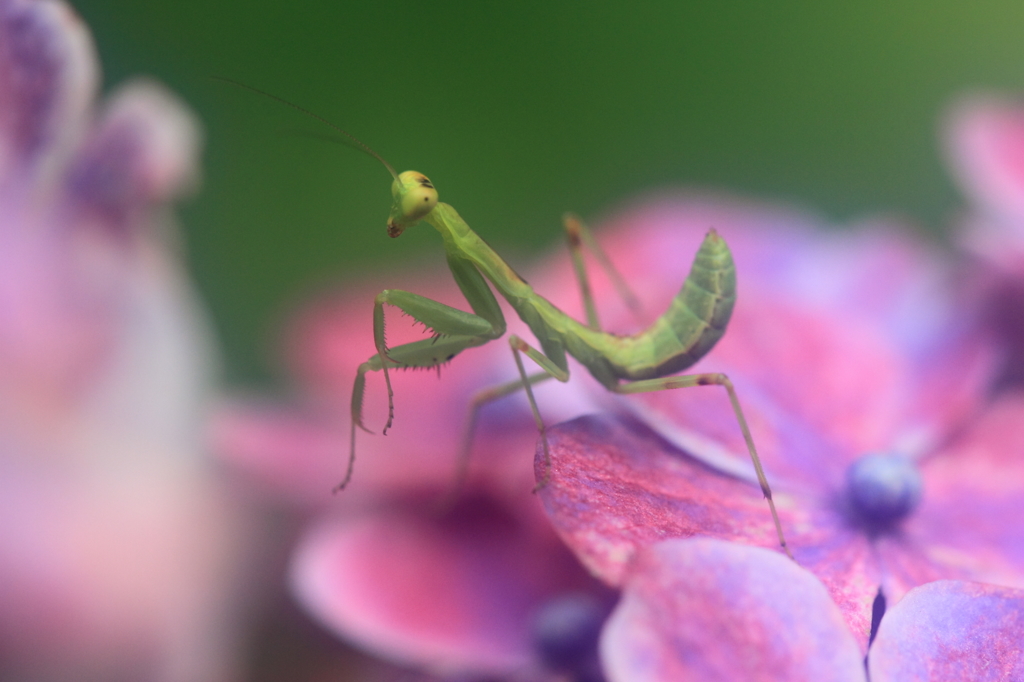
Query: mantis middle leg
{"x": 577, "y": 235}
{"x": 561, "y": 373}
{"x": 479, "y": 399}
{"x": 715, "y": 379}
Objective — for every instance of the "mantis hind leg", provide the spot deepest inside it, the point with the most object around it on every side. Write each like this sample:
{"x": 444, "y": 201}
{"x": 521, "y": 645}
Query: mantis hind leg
{"x": 650, "y": 385}
{"x": 519, "y": 347}
{"x": 479, "y": 399}
{"x": 578, "y": 235}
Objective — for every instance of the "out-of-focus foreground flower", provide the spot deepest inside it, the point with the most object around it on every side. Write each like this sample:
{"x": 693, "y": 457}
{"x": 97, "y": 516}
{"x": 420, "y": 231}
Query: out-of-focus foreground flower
{"x": 482, "y": 587}
{"x": 863, "y": 377}
{"x": 116, "y": 545}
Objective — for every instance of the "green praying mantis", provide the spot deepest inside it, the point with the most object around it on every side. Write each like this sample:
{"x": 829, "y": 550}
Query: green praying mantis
{"x": 640, "y": 363}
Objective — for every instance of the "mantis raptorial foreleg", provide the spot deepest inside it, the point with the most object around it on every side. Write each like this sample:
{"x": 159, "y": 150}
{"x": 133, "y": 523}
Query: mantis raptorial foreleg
{"x": 441, "y": 319}
{"x": 715, "y": 379}
{"x": 426, "y": 353}
{"x": 455, "y": 330}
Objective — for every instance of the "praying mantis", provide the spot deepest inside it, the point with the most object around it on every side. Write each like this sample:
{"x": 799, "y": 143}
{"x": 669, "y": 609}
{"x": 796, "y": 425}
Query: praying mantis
{"x": 644, "y": 362}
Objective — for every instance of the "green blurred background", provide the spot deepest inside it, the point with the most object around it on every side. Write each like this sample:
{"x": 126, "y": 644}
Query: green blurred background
{"x": 520, "y": 111}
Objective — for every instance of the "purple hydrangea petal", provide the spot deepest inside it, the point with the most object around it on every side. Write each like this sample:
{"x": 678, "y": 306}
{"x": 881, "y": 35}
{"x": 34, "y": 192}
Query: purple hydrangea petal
{"x": 948, "y": 631}
{"x": 970, "y": 524}
{"x": 458, "y": 592}
{"x": 711, "y": 610}
{"x": 144, "y": 152}
{"x": 615, "y": 487}
{"x": 49, "y": 75}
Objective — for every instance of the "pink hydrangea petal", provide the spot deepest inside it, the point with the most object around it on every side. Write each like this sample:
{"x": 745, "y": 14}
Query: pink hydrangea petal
{"x": 798, "y": 383}
{"x": 707, "y": 609}
{"x": 998, "y": 243}
{"x": 984, "y": 136}
{"x": 299, "y": 454}
{"x": 455, "y": 593}
{"x": 617, "y": 487}
{"x": 876, "y": 270}
{"x": 291, "y": 454}
{"x": 49, "y": 75}
{"x": 55, "y": 329}
{"x": 949, "y": 631}
{"x": 68, "y": 287}
{"x": 614, "y": 487}
{"x": 844, "y": 561}
{"x": 970, "y": 524}
{"x": 892, "y": 282}
{"x": 984, "y": 141}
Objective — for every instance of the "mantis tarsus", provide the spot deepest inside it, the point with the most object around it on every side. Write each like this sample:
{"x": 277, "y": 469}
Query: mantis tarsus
{"x": 641, "y": 363}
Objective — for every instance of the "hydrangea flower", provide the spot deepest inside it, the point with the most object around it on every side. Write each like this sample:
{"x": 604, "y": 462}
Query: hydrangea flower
{"x": 863, "y": 376}
{"x": 483, "y": 587}
{"x": 117, "y": 547}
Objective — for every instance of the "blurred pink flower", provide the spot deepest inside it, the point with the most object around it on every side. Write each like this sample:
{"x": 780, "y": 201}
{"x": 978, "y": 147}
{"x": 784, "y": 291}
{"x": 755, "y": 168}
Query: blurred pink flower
{"x": 378, "y": 564}
{"x": 863, "y": 377}
{"x": 984, "y": 142}
{"x": 116, "y": 544}
{"x": 708, "y": 609}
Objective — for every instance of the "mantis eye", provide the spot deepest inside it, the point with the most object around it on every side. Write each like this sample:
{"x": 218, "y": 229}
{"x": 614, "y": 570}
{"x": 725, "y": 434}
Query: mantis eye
{"x": 415, "y": 197}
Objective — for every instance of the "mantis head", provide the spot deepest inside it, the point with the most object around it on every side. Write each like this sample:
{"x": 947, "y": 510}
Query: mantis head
{"x": 415, "y": 197}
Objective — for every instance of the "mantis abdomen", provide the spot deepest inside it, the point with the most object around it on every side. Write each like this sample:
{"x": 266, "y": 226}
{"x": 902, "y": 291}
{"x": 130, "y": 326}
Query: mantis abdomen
{"x": 695, "y": 320}
{"x": 692, "y": 325}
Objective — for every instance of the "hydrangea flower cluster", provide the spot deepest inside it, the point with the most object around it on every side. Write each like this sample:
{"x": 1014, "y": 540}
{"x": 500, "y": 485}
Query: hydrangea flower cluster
{"x": 865, "y": 379}
{"x": 865, "y": 360}
{"x": 864, "y": 376}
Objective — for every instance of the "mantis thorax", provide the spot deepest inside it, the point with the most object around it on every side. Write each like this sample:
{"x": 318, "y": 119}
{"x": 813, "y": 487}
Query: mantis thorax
{"x": 414, "y": 196}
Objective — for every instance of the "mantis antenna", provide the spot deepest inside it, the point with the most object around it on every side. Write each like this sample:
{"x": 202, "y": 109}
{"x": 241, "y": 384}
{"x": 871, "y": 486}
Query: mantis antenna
{"x": 356, "y": 142}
